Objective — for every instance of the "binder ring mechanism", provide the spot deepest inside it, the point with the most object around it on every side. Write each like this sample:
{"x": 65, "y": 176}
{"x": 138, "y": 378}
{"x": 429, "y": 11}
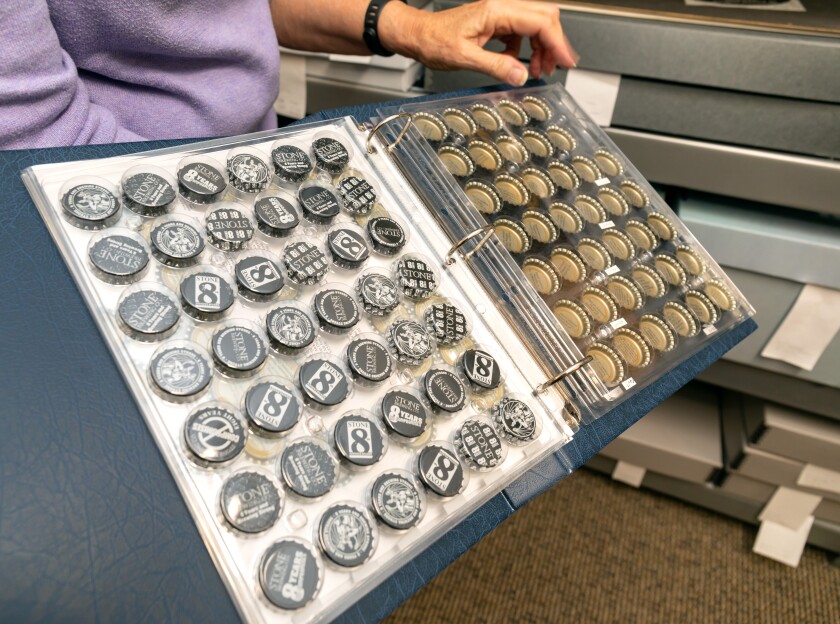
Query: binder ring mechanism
{"x": 375, "y": 130}
{"x": 562, "y": 375}
{"x": 486, "y": 232}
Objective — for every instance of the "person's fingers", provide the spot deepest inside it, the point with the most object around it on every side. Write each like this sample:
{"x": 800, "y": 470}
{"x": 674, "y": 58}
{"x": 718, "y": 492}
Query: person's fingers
{"x": 513, "y": 44}
{"x": 541, "y": 22}
{"x": 502, "y": 67}
{"x": 535, "y": 66}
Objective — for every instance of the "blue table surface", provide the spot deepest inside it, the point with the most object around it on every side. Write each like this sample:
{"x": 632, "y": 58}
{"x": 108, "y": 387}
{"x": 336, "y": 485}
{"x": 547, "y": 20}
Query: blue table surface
{"x": 92, "y": 526}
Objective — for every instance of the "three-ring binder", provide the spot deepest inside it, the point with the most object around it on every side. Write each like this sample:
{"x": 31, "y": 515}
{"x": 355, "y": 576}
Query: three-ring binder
{"x": 487, "y": 231}
{"x": 391, "y": 146}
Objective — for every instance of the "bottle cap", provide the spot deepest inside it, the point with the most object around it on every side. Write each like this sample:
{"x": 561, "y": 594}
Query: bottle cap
{"x": 536, "y": 107}
{"x": 632, "y": 347}
{"x": 396, "y": 501}
{"x": 386, "y": 235}
{"x": 214, "y": 434}
{"x": 290, "y": 574}
{"x": 512, "y": 189}
{"x": 409, "y": 342}
{"x": 440, "y": 471}
{"x": 457, "y": 160}
{"x": 479, "y": 444}
{"x": 308, "y": 467}
{"x": 444, "y": 390}
{"x": 446, "y": 323}
{"x": 347, "y": 247}
{"x": 561, "y": 138}
{"x": 515, "y": 421}
{"x": 289, "y": 328}
{"x": 336, "y": 310}
{"x": 573, "y": 318}
{"x": 358, "y": 195}
{"x": 358, "y": 440}
{"x": 206, "y": 295}
{"x": 305, "y": 263}
{"x": 483, "y": 196}
{"x": 609, "y": 163}
{"x": 369, "y": 360}
{"x": 201, "y": 182}
{"x": 487, "y": 117}
{"x": 606, "y": 363}
{"x": 118, "y": 257}
{"x": 330, "y": 155}
{"x": 586, "y": 168}
{"x": 248, "y": 171}
{"x": 404, "y": 413}
{"x": 537, "y": 143}
{"x": 430, "y": 125}
{"x": 238, "y": 350}
{"x": 180, "y": 371}
{"x": 258, "y": 278}
{"x": 229, "y": 229}
{"x": 323, "y": 382}
{"x": 346, "y": 535}
{"x": 415, "y": 277}
{"x": 377, "y": 293}
{"x": 291, "y": 164}
{"x": 481, "y": 369}
{"x": 275, "y": 216}
{"x": 460, "y": 121}
{"x": 250, "y": 501}
{"x": 272, "y": 407}
{"x": 485, "y": 154}
{"x": 148, "y": 312}
{"x": 635, "y": 194}
{"x": 512, "y": 112}
{"x": 320, "y": 203}
{"x": 147, "y": 192}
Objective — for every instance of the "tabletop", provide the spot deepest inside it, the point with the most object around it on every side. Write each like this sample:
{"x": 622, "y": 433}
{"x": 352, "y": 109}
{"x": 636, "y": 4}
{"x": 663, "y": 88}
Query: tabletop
{"x": 92, "y": 526}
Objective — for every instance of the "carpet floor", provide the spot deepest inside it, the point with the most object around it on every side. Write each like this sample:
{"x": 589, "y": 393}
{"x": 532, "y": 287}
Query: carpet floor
{"x": 592, "y": 550}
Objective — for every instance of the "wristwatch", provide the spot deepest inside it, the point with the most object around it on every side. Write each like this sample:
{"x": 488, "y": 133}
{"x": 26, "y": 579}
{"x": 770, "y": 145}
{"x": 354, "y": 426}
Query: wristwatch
{"x": 371, "y": 31}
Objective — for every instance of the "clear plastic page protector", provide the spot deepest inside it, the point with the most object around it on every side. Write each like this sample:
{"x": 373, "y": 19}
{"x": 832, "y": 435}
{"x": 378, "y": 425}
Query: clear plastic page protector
{"x": 330, "y": 393}
{"x": 599, "y": 277}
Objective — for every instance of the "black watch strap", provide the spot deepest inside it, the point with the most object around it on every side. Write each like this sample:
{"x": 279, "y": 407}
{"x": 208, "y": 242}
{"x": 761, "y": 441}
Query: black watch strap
{"x": 371, "y": 32}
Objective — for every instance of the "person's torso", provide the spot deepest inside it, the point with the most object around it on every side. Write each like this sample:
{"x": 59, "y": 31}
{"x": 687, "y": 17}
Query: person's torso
{"x": 175, "y": 68}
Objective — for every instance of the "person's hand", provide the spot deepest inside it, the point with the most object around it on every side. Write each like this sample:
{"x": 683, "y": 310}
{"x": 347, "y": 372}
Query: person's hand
{"x": 455, "y": 38}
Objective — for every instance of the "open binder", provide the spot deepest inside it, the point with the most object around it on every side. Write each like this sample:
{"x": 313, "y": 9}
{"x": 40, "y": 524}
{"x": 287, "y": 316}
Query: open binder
{"x": 544, "y": 368}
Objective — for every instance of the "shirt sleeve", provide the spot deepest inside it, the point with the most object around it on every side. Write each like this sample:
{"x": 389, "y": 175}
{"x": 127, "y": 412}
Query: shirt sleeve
{"x": 43, "y": 102}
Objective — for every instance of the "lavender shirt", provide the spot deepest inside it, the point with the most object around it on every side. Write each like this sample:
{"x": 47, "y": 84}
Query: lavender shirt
{"x": 100, "y": 71}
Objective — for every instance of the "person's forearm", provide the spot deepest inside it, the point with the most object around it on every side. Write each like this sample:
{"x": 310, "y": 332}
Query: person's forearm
{"x": 336, "y": 26}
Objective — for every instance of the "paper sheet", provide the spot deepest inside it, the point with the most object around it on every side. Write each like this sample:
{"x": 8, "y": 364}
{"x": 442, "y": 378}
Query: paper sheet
{"x": 778, "y": 542}
{"x": 628, "y": 473}
{"x": 818, "y": 478}
{"x": 808, "y": 328}
{"x": 596, "y": 92}
{"x": 291, "y": 101}
{"x": 789, "y": 508}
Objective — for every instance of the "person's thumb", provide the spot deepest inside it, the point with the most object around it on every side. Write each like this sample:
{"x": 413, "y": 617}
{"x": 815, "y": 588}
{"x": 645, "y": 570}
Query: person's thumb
{"x": 502, "y": 67}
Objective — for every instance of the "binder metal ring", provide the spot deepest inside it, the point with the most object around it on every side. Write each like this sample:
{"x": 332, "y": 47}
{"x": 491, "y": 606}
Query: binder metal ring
{"x": 563, "y": 374}
{"x": 486, "y": 230}
{"x": 391, "y": 146}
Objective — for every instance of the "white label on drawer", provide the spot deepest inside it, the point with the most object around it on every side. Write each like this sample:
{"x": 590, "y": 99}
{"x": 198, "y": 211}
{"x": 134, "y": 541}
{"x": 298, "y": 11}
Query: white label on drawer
{"x": 628, "y": 383}
{"x": 709, "y": 329}
{"x": 596, "y": 92}
{"x": 818, "y": 478}
{"x": 628, "y": 473}
{"x": 602, "y": 181}
{"x": 605, "y": 225}
{"x": 808, "y": 328}
{"x": 789, "y": 507}
{"x": 619, "y": 322}
{"x": 611, "y": 270}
